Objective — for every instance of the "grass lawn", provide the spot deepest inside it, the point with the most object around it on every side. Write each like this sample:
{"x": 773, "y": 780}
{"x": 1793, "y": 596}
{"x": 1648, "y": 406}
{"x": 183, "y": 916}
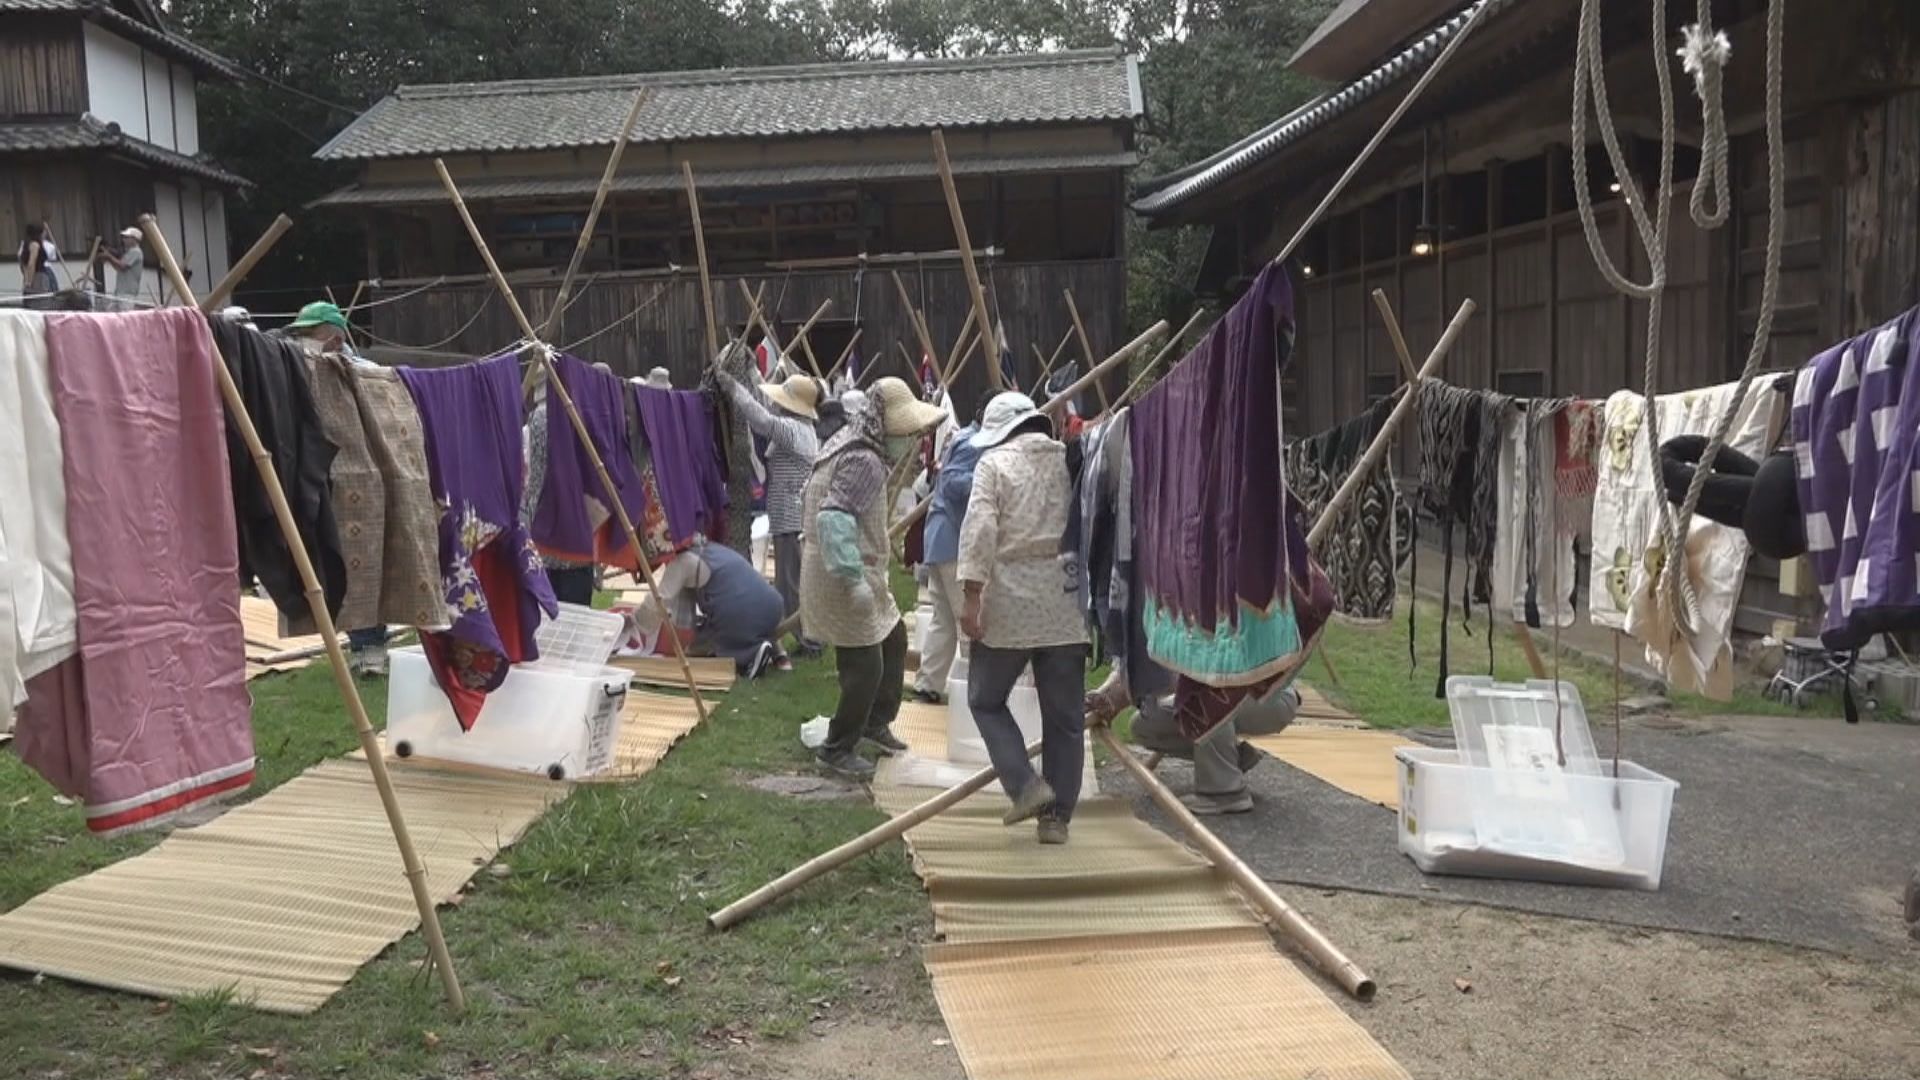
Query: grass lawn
{"x": 1378, "y": 683}
{"x": 591, "y": 958}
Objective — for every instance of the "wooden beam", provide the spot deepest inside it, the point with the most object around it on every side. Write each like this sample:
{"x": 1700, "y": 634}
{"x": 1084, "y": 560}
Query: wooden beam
{"x": 966, "y": 261}
{"x": 1086, "y": 345}
{"x": 706, "y": 281}
{"x": 919, "y": 324}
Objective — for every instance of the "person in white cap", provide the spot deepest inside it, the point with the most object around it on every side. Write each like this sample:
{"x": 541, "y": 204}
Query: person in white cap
{"x": 660, "y": 379}
{"x": 128, "y": 264}
{"x": 1021, "y": 609}
{"x": 784, "y": 414}
{"x": 845, "y": 598}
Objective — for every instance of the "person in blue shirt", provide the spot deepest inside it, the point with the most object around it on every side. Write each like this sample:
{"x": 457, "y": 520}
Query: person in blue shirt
{"x": 952, "y": 486}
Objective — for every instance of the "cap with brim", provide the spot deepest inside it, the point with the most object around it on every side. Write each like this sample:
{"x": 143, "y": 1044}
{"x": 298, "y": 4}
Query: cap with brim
{"x": 798, "y": 395}
{"x": 130, "y": 233}
{"x": 1002, "y": 415}
{"x": 319, "y": 313}
{"x": 904, "y": 413}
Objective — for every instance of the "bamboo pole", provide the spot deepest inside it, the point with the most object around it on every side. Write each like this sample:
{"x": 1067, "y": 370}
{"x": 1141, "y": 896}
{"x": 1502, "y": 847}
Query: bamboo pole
{"x": 1534, "y": 663}
{"x": 221, "y": 292}
{"x": 1086, "y": 345}
{"x": 981, "y": 315}
{"x": 415, "y": 872}
{"x": 1054, "y": 404}
{"x": 593, "y": 213}
{"x": 893, "y": 829}
{"x": 800, "y": 336}
{"x": 1399, "y": 339}
{"x": 1165, "y": 351}
{"x": 1324, "y": 954}
{"x": 557, "y": 387}
{"x": 941, "y": 371}
{"x": 919, "y": 324}
{"x": 845, "y": 354}
{"x": 700, "y": 251}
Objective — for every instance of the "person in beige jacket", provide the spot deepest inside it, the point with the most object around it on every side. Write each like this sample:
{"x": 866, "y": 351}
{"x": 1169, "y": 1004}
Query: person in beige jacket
{"x": 1021, "y": 608}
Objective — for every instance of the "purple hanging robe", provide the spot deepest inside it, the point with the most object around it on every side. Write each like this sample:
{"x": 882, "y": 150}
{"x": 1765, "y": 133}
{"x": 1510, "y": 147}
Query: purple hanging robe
{"x": 685, "y": 452}
{"x": 563, "y": 523}
{"x": 1233, "y": 600}
{"x": 495, "y": 589}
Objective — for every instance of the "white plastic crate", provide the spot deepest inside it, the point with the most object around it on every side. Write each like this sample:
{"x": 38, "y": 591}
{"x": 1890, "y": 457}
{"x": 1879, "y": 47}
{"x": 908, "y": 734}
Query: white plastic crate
{"x": 964, "y": 745}
{"x": 558, "y": 716}
{"x": 1606, "y": 832}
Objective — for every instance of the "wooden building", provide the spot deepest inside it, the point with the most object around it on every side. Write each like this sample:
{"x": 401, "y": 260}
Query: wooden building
{"x": 817, "y": 181}
{"x": 99, "y": 124}
{"x": 1472, "y": 196}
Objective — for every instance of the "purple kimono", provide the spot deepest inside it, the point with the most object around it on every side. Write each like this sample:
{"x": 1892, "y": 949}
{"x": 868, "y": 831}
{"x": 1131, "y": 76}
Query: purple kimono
{"x": 1232, "y": 598}
{"x": 1856, "y": 442}
{"x": 686, "y": 461}
{"x": 494, "y": 586}
{"x": 561, "y": 526}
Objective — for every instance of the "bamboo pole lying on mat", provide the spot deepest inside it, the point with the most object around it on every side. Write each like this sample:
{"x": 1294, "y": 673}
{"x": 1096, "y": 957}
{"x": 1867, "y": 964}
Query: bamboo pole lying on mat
{"x": 557, "y": 387}
{"x": 224, "y": 290}
{"x": 593, "y": 213}
{"x": 981, "y": 317}
{"x": 415, "y": 871}
{"x": 1054, "y": 404}
{"x": 1086, "y": 344}
{"x": 854, "y": 848}
{"x": 1324, "y": 954}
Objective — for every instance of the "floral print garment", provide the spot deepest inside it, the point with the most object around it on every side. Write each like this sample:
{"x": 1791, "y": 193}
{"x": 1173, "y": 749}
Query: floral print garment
{"x": 495, "y": 589}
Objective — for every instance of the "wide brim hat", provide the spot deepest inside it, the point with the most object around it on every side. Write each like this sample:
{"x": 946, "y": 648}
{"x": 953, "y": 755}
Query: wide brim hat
{"x": 660, "y": 379}
{"x": 901, "y": 411}
{"x": 1002, "y": 415}
{"x": 797, "y": 394}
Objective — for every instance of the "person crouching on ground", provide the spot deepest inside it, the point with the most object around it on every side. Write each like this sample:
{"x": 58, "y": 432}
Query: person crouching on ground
{"x": 845, "y": 598}
{"x": 740, "y": 611}
{"x": 1021, "y": 608}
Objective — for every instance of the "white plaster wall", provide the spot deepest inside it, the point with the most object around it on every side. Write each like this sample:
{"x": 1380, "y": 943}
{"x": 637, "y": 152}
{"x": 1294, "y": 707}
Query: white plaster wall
{"x": 116, "y": 86}
{"x": 214, "y": 202}
{"x": 159, "y": 102}
{"x": 186, "y": 110}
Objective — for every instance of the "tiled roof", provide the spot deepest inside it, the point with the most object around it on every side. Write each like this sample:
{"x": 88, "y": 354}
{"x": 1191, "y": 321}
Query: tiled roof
{"x": 151, "y": 32}
{"x": 811, "y": 99}
{"x": 770, "y": 176}
{"x": 1164, "y": 194}
{"x": 90, "y": 133}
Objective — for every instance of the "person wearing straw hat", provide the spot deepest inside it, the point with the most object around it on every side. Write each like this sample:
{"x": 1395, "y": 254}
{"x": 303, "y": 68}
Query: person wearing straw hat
{"x": 845, "y": 597}
{"x": 1021, "y": 609}
{"x": 128, "y": 265}
{"x": 784, "y": 414}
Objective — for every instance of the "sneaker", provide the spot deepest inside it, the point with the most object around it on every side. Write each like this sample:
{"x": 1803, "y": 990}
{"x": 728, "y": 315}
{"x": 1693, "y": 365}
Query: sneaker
{"x": 784, "y": 663}
{"x": 1052, "y": 830}
{"x": 1205, "y": 805}
{"x": 845, "y": 763}
{"x": 370, "y": 662}
{"x": 1250, "y": 757}
{"x": 1037, "y": 797}
{"x": 761, "y": 661}
{"x": 884, "y": 738}
{"x": 929, "y": 697}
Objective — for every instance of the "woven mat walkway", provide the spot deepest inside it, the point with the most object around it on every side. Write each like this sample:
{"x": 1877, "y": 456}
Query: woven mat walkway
{"x": 1121, "y": 956}
{"x": 283, "y": 899}
{"x": 1338, "y": 748}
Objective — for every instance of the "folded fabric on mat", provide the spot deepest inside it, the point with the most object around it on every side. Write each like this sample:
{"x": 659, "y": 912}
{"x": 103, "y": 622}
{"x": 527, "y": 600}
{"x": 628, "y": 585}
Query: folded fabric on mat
{"x": 152, "y": 717}
{"x": 494, "y": 587}
{"x": 1233, "y": 599}
{"x": 38, "y": 622}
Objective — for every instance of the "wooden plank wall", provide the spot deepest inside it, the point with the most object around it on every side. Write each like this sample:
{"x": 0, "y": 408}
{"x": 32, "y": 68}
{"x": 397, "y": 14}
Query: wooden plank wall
{"x": 43, "y": 69}
{"x": 461, "y": 321}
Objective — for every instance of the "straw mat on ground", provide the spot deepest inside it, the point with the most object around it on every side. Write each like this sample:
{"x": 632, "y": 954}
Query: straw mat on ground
{"x": 1121, "y": 956}
{"x": 1357, "y": 762}
{"x": 280, "y": 900}
{"x": 709, "y": 672}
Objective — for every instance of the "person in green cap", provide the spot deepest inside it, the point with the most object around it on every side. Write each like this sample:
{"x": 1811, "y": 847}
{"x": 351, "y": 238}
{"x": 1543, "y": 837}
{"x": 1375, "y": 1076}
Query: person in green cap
{"x": 321, "y": 327}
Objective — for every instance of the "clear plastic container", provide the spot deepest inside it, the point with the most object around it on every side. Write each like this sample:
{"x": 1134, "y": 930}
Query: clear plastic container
{"x": 964, "y": 745}
{"x": 558, "y": 716}
{"x": 1453, "y": 819}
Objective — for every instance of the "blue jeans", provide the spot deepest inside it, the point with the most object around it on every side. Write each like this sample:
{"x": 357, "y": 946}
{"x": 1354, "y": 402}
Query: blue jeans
{"x": 371, "y": 637}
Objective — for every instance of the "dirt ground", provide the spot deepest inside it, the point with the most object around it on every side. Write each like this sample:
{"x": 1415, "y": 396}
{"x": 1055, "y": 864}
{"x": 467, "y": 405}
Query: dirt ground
{"x": 1577, "y": 1000}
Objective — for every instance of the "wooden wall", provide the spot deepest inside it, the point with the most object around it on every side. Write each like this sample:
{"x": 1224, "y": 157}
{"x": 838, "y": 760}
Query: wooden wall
{"x": 643, "y": 321}
{"x": 43, "y": 70}
{"x": 81, "y": 197}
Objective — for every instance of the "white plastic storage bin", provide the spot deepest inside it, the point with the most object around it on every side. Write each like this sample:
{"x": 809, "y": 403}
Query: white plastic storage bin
{"x": 558, "y": 716}
{"x": 1446, "y": 808}
{"x": 964, "y": 745}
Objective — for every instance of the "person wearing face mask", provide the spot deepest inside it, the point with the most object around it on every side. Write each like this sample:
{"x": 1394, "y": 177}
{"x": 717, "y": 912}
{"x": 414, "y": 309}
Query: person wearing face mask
{"x": 845, "y": 599}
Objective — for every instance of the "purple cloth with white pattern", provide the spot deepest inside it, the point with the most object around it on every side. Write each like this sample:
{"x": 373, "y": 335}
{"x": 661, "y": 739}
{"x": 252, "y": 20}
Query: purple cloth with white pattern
{"x": 1856, "y": 435}
{"x": 686, "y": 461}
{"x": 560, "y": 520}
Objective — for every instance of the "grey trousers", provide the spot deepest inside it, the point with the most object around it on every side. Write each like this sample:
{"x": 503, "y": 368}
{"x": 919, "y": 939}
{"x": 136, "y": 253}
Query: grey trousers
{"x": 1060, "y": 675}
{"x": 871, "y": 678}
{"x": 786, "y": 576}
{"x": 1216, "y": 756}
{"x": 942, "y": 640}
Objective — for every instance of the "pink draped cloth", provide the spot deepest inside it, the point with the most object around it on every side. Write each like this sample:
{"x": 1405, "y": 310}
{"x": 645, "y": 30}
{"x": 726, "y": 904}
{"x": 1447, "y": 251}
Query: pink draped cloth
{"x": 153, "y": 716}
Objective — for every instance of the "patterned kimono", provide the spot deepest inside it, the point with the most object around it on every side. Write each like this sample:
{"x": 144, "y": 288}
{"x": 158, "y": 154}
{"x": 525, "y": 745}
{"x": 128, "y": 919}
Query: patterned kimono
{"x": 491, "y": 578}
{"x": 1361, "y": 552}
{"x": 570, "y": 520}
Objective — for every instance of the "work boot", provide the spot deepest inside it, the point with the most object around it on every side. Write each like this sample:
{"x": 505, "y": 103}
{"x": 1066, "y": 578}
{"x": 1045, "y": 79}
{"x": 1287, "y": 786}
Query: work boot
{"x": 1205, "y": 804}
{"x": 845, "y": 763}
{"x": 1036, "y": 797}
{"x": 1250, "y": 757}
{"x": 1052, "y": 829}
{"x": 884, "y": 738}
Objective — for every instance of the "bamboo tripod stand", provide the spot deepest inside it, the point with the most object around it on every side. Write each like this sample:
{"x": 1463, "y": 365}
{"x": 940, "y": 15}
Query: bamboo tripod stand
{"x": 415, "y": 872}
